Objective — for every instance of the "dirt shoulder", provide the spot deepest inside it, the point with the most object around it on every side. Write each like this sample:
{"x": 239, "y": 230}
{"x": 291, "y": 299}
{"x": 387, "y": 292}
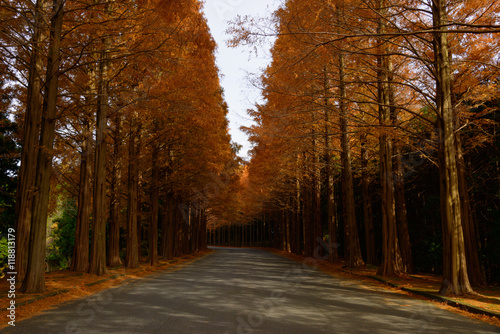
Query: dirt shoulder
{"x": 63, "y": 286}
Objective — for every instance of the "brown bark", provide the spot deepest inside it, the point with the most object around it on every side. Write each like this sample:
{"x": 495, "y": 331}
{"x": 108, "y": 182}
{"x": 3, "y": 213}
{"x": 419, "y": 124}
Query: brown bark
{"x": 217, "y": 231}
{"x": 287, "y": 230}
{"x": 353, "y": 250}
{"x": 293, "y": 226}
{"x": 455, "y": 276}
{"x": 132, "y": 254}
{"x": 171, "y": 227}
{"x": 316, "y": 204}
{"x": 164, "y": 228}
{"x": 401, "y": 214}
{"x": 140, "y": 230}
{"x": 197, "y": 244}
{"x": 391, "y": 263}
{"x": 98, "y": 247}
{"x": 308, "y": 215}
{"x": 331, "y": 222}
{"x": 391, "y": 256}
{"x": 197, "y": 228}
{"x": 81, "y": 248}
{"x": 298, "y": 211}
{"x": 177, "y": 222}
{"x": 204, "y": 242}
{"x": 399, "y": 190}
{"x": 116, "y": 188}
{"x": 474, "y": 270}
{"x": 34, "y": 281}
{"x": 155, "y": 202}
{"x": 31, "y": 132}
{"x": 371, "y": 255}
{"x": 186, "y": 226}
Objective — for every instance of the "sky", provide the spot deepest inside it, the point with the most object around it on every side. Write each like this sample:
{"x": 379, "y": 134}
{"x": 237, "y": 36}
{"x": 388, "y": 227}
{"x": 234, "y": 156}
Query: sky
{"x": 236, "y": 64}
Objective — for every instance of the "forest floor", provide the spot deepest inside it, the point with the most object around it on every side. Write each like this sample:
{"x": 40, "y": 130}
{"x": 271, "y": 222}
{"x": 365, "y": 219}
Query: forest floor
{"x": 66, "y": 285}
{"x": 484, "y": 304}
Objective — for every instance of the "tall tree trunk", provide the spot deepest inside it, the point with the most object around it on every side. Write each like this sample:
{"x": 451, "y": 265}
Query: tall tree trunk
{"x": 194, "y": 231}
{"x": 132, "y": 254}
{"x": 308, "y": 216}
{"x": 371, "y": 255}
{"x": 116, "y": 188}
{"x": 98, "y": 247}
{"x": 34, "y": 281}
{"x": 186, "y": 226}
{"x": 178, "y": 222}
{"x": 293, "y": 226}
{"x": 139, "y": 219}
{"x": 455, "y": 276}
{"x": 391, "y": 256}
{"x": 298, "y": 209}
{"x": 164, "y": 229}
{"x": 31, "y": 132}
{"x": 171, "y": 226}
{"x": 401, "y": 214}
{"x": 330, "y": 198}
{"x": 217, "y": 236}
{"x": 399, "y": 190}
{"x": 81, "y": 248}
{"x": 201, "y": 232}
{"x": 155, "y": 201}
{"x": 286, "y": 232}
{"x": 474, "y": 269}
{"x": 353, "y": 250}
{"x": 204, "y": 231}
{"x": 316, "y": 204}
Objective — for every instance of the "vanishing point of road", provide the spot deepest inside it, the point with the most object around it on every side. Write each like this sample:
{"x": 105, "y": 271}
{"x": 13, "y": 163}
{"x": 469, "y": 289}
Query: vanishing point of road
{"x": 247, "y": 291}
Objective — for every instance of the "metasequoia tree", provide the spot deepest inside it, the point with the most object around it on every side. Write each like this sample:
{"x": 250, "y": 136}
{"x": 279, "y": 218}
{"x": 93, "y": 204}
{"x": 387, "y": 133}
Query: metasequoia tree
{"x": 113, "y": 251}
{"x": 155, "y": 200}
{"x": 391, "y": 263}
{"x": 31, "y": 131}
{"x": 114, "y": 74}
{"x": 97, "y": 264}
{"x": 34, "y": 281}
{"x": 455, "y": 277}
{"x": 302, "y": 82}
{"x": 353, "y": 250}
{"x": 80, "y": 259}
{"x": 464, "y": 20}
{"x": 390, "y": 62}
{"x": 132, "y": 256}
{"x": 329, "y": 173}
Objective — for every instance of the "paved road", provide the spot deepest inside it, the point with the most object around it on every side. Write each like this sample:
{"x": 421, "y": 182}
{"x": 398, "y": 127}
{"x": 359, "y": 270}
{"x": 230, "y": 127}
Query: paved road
{"x": 247, "y": 291}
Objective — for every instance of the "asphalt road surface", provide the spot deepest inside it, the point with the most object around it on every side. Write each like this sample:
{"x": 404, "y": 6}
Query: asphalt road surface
{"x": 247, "y": 291}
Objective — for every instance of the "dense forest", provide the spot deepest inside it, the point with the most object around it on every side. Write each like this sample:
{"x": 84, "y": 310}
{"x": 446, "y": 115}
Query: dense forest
{"x": 113, "y": 120}
{"x": 376, "y": 141}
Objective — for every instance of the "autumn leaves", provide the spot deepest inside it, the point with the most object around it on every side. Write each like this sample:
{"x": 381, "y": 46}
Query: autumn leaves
{"x": 364, "y": 84}
{"x": 123, "y": 110}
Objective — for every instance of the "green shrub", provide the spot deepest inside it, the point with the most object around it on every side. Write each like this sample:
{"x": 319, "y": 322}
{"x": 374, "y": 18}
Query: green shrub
{"x": 61, "y": 249}
{"x": 3, "y": 257}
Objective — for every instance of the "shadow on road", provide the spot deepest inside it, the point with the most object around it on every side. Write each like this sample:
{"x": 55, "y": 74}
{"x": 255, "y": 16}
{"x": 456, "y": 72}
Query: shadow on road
{"x": 247, "y": 291}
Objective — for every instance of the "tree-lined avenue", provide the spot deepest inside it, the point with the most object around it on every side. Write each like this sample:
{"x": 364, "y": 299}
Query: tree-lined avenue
{"x": 248, "y": 291}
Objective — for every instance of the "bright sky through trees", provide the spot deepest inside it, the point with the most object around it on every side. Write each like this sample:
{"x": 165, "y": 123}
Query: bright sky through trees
{"x": 236, "y": 64}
